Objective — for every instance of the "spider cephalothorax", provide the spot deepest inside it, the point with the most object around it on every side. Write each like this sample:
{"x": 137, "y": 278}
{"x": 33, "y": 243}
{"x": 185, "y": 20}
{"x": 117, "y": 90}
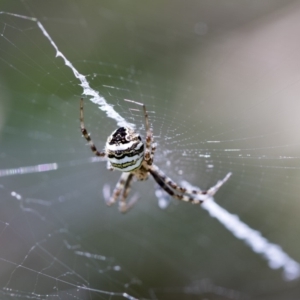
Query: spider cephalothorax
{"x": 126, "y": 152}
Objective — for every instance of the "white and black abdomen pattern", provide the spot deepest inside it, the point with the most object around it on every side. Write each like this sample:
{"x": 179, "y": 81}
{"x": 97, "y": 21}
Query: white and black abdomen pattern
{"x": 124, "y": 149}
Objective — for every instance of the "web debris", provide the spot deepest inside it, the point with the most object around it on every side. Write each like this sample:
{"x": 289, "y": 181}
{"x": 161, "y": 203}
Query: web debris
{"x": 273, "y": 253}
{"x": 87, "y": 90}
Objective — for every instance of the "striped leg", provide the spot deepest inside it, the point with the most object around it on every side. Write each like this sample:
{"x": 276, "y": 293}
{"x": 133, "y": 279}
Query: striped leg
{"x": 157, "y": 173}
{"x": 118, "y": 189}
{"x": 164, "y": 186}
{"x": 123, "y": 206}
{"x": 149, "y": 135}
{"x": 153, "y": 148}
{"x": 86, "y": 134}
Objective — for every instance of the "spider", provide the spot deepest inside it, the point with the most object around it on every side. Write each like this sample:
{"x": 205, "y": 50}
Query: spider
{"x": 126, "y": 152}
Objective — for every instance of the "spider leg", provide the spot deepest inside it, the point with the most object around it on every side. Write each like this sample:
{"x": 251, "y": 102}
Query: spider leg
{"x": 149, "y": 136}
{"x": 155, "y": 171}
{"x": 153, "y": 148}
{"x": 164, "y": 199}
{"x": 118, "y": 189}
{"x": 109, "y": 166}
{"x": 126, "y": 188}
{"x": 123, "y": 206}
{"x": 211, "y": 191}
{"x": 164, "y": 186}
{"x": 86, "y": 134}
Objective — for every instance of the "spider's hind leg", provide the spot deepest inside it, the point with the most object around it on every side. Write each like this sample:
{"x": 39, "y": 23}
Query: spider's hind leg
{"x": 86, "y": 135}
{"x": 149, "y": 135}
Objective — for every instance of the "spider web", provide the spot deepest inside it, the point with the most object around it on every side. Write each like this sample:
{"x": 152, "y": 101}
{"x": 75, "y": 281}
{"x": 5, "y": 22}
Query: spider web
{"x": 221, "y": 85}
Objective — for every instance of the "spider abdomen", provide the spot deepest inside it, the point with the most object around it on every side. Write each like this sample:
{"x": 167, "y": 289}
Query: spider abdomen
{"x": 125, "y": 149}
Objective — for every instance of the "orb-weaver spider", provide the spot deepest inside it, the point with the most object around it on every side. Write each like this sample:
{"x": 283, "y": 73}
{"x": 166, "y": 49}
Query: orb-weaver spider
{"x": 126, "y": 152}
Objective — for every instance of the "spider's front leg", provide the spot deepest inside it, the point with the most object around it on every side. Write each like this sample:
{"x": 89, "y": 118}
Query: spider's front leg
{"x": 182, "y": 193}
{"x": 123, "y": 205}
{"x": 164, "y": 185}
{"x": 109, "y": 166}
{"x": 122, "y": 185}
{"x": 111, "y": 199}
